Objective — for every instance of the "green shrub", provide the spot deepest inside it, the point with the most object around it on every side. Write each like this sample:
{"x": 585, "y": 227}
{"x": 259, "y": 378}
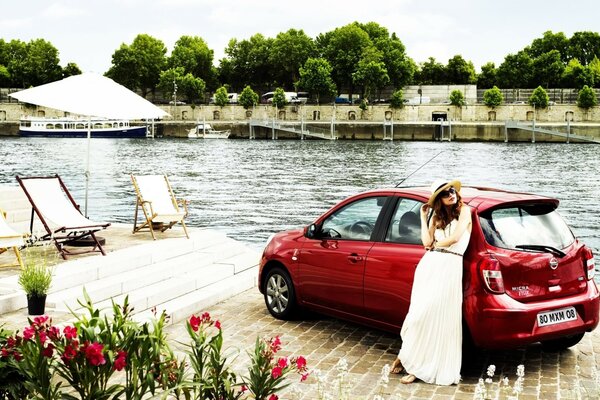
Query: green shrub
{"x": 36, "y": 277}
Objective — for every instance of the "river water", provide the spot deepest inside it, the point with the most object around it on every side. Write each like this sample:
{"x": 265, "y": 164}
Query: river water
{"x": 250, "y": 189}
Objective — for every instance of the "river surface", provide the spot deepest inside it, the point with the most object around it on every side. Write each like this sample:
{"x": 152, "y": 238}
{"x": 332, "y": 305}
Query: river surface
{"x": 250, "y": 189}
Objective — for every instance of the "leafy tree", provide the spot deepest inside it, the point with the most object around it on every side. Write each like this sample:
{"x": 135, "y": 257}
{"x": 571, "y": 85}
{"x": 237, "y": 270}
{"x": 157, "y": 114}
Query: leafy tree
{"x": 487, "y": 77}
{"x": 549, "y": 42}
{"x": 71, "y": 69}
{"x": 539, "y": 98}
{"x": 431, "y": 72}
{"x": 289, "y": 52}
{"x": 343, "y": 48}
{"x": 248, "y": 98}
{"x": 493, "y": 97}
{"x": 587, "y": 98}
{"x": 42, "y": 63}
{"x": 594, "y": 70}
{"x": 247, "y": 63}
{"x": 515, "y": 71}
{"x": 279, "y": 98}
{"x": 221, "y": 97}
{"x": 457, "y": 98}
{"x": 170, "y": 80}
{"x": 315, "y": 77}
{"x": 548, "y": 69}
{"x": 15, "y": 55}
{"x": 139, "y": 65}
{"x": 584, "y": 46}
{"x": 576, "y": 75}
{"x": 192, "y": 88}
{"x": 397, "y": 99}
{"x": 372, "y": 76}
{"x": 459, "y": 71}
{"x": 193, "y": 54}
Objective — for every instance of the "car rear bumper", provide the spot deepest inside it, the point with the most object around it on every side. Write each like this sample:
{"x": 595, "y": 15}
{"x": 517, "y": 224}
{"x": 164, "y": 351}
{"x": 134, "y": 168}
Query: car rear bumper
{"x": 507, "y": 323}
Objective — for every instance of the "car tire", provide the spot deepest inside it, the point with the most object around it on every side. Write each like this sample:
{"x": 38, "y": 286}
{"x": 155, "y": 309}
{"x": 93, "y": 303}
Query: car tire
{"x": 280, "y": 296}
{"x": 562, "y": 343}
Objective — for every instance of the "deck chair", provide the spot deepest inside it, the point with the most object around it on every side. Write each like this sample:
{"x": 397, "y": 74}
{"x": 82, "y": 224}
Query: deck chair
{"x": 10, "y": 239}
{"x": 59, "y": 214}
{"x": 159, "y": 207}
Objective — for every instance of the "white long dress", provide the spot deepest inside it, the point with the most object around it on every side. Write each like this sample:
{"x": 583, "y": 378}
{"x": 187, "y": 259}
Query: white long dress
{"x": 432, "y": 331}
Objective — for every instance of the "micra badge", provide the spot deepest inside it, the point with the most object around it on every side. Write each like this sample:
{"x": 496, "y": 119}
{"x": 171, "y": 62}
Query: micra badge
{"x": 553, "y": 263}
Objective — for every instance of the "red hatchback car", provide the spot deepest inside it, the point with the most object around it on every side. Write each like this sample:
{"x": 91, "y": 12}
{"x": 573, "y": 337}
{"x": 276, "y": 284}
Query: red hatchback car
{"x": 526, "y": 276}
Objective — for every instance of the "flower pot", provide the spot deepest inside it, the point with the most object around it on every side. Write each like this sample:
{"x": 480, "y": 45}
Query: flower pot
{"x": 36, "y": 304}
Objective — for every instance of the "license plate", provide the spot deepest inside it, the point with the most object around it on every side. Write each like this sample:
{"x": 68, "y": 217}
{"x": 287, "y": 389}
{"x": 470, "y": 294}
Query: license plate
{"x": 556, "y": 316}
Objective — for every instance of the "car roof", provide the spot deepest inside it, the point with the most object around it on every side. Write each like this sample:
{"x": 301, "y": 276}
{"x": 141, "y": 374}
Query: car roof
{"x": 482, "y": 198}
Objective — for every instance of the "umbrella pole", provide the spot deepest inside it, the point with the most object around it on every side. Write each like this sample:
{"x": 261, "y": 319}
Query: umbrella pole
{"x": 87, "y": 166}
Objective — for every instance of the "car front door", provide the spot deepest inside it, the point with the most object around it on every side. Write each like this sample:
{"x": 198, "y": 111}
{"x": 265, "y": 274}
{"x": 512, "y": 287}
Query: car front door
{"x": 390, "y": 267}
{"x": 331, "y": 265}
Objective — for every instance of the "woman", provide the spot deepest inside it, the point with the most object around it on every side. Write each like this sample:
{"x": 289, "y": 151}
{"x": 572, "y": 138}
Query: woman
{"x": 432, "y": 331}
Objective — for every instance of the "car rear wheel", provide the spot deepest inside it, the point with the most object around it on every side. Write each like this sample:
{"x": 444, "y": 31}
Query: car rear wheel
{"x": 280, "y": 297}
{"x": 562, "y": 343}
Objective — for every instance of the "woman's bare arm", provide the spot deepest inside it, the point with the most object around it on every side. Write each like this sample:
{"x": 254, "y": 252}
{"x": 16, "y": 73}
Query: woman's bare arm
{"x": 464, "y": 223}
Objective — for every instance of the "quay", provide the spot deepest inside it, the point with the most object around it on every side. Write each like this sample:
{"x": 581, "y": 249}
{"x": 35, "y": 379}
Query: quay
{"x": 210, "y": 272}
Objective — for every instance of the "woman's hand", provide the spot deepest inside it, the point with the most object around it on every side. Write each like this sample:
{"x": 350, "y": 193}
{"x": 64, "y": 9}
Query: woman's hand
{"x": 424, "y": 210}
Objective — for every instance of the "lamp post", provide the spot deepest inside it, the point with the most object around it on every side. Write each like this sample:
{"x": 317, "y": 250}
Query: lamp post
{"x": 174, "y": 97}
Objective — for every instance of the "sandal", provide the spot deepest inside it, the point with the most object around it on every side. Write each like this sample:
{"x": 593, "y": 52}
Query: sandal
{"x": 408, "y": 379}
{"x": 397, "y": 367}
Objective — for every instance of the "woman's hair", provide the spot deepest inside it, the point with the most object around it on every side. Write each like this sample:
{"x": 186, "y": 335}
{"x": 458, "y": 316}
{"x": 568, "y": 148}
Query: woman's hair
{"x": 444, "y": 215}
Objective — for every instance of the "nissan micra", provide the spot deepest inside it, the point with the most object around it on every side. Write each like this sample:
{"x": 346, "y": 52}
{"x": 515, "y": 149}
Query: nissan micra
{"x": 526, "y": 276}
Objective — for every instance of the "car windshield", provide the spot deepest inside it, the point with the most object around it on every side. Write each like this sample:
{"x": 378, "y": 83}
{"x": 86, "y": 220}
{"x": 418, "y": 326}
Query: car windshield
{"x": 528, "y": 226}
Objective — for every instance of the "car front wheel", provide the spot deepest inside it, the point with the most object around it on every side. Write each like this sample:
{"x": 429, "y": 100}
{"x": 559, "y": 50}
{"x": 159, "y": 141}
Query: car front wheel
{"x": 279, "y": 294}
{"x": 562, "y": 343}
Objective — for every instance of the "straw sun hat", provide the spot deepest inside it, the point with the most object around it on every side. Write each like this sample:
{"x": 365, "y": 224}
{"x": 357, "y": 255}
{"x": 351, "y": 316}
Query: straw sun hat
{"x": 439, "y": 185}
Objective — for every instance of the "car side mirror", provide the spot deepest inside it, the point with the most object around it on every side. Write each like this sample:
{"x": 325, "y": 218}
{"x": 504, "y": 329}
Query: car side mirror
{"x": 311, "y": 231}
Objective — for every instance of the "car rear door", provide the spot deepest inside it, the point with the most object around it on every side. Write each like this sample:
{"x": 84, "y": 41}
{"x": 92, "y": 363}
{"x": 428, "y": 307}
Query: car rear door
{"x": 391, "y": 264}
{"x": 331, "y": 265}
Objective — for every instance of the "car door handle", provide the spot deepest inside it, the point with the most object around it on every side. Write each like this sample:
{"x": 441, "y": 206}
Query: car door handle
{"x": 354, "y": 258}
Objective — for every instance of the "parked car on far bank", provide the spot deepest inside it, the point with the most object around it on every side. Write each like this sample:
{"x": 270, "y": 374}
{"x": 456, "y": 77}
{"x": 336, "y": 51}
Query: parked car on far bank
{"x": 526, "y": 277}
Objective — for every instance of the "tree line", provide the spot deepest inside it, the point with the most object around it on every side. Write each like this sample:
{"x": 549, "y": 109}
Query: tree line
{"x": 358, "y": 58}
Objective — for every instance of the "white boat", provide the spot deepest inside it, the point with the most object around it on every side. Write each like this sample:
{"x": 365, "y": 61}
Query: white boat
{"x": 206, "y": 131}
{"x": 78, "y": 127}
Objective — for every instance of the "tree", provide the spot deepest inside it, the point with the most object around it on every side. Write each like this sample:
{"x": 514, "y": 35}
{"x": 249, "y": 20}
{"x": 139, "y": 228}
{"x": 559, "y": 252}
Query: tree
{"x": 289, "y": 52}
{"x": 248, "y": 98}
{"x": 515, "y": 71}
{"x": 4, "y": 76}
{"x": 459, "y": 71}
{"x": 539, "y": 98}
{"x": 431, "y": 72}
{"x": 192, "y": 88}
{"x": 397, "y": 99}
{"x": 457, "y": 98}
{"x": 315, "y": 77}
{"x": 587, "y": 98}
{"x": 15, "y": 55}
{"x": 549, "y": 42}
{"x": 594, "y": 70}
{"x": 487, "y": 77}
{"x": 279, "y": 99}
{"x": 343, "y": 48}
{"x": 548, "y": 69}
{"x": 221, "y": 97}
{"x": 247, "y": 63}
{"x": 42, "y": 63}
{"x": 139, "y": 65}
{"x": 193, "y": 54}
{"x": 493, "y": 97}
{"x": 372, "y": 76}
{"x": 71, "y": 69}
{"x": 170, "y": 80}
{"x": 576, "y": 75}
{"x": 584, "y": 46}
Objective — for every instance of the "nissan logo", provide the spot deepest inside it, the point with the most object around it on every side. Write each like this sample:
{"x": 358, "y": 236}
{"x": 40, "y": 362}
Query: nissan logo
{"x": 553, "y": 263}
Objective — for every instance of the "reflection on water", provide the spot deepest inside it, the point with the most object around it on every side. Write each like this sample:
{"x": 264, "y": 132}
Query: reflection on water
{"x": 250, "y": 189}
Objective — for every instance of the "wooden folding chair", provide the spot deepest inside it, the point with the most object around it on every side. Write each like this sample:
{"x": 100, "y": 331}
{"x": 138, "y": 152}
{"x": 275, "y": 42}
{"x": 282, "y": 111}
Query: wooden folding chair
{"x": 59, "y": 214}
{"x": 10, "y": 239}
{"x": 160, "y": 208}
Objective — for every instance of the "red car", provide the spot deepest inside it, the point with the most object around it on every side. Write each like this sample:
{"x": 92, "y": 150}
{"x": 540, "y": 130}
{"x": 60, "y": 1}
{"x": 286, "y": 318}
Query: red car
{"x": 526, "y": 276}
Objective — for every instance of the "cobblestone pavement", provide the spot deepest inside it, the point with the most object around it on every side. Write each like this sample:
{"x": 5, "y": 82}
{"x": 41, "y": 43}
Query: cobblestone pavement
{"x": 324, "y": 341}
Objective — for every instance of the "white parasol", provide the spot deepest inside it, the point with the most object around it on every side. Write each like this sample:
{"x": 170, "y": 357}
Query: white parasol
{"x": 91, "y": 95}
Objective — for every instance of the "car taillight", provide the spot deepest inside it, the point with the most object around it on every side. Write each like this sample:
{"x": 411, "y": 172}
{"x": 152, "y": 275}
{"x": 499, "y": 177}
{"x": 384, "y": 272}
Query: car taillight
{"x": 588, "y": 263}
{"x": 492, "y": 276}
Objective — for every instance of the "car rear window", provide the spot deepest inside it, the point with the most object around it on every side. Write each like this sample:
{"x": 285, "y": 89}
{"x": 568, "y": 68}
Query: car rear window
{"x": 525, "y": 225}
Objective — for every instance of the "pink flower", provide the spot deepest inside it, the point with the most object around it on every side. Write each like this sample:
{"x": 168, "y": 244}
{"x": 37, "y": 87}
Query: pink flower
{"x": 195, "y": 322}
{"x": 120, "y": 361}
{"x": 93, "y": 353}
{"x": 39, "y": 321}
{"x": 282, "y": 362}
{"x": 217, "y": 324}
{"x": 69, "y": 353}
{"x": 276, "y": 372}
{"x": 301, "y": 363}
{"x": 28, "y": 333}
{"x": 205, "y": 317}
{"x": 244, "y": 388}
{"x": 275, "y": 344}
{"x": 273, "y": 397}
{"x": 43, "y": 336}
{"x": 303, "y": 377}
{"x": 54, "y": 333}
{"x": 70, "y": 332}
{"x": 48, "y": 350}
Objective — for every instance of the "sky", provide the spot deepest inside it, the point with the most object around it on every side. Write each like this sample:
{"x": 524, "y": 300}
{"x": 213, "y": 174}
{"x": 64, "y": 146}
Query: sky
{"x": 87, "y": 32}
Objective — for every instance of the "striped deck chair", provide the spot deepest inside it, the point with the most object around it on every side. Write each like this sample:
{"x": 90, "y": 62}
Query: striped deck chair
{"x": 10, "y": 239}
{"x": 54, "y": 206}
{"x": 160, "y": 208}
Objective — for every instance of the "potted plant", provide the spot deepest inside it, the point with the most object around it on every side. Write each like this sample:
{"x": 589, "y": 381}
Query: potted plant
{"x": 35, "y": 278}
